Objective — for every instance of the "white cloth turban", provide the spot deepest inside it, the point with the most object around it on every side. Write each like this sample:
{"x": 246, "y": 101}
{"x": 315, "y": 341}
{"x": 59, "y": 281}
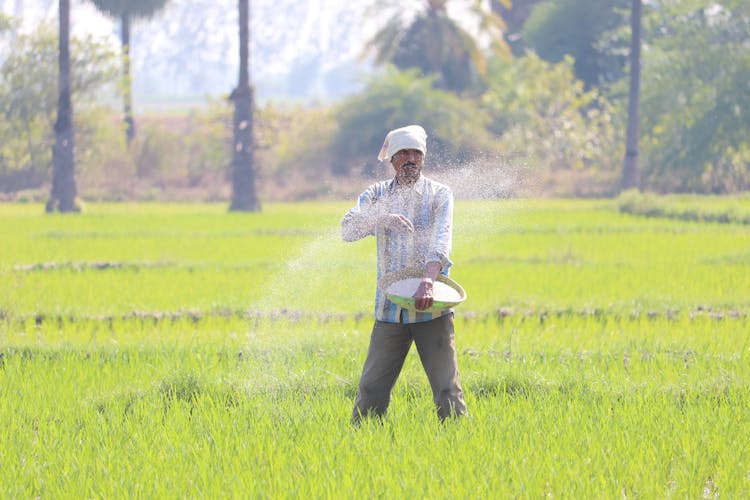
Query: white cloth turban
{"x": 411, "y": 137}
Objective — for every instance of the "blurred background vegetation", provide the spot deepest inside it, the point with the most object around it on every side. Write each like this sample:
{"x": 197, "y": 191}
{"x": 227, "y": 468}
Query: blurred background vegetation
{"x": 540, "y": 86}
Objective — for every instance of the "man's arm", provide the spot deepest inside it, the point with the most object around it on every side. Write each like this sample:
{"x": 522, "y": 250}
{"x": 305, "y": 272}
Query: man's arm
{"x": 360, "y": 220}
{"x": 365, "y": 218}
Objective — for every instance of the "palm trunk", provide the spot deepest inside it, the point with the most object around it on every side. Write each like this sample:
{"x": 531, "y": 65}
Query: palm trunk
{"x": 244, "y": 197}
{"x": 63, "y": 193}
{"x": 630, "y": 171}
{"x": 128, "y": 84}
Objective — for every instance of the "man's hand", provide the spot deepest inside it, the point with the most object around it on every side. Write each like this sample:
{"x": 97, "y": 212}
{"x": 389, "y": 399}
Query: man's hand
{"x": 396, "y": 222}
{"x": 423, "y": 298}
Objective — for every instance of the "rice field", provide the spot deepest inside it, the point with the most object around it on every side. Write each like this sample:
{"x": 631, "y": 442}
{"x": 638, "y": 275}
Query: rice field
{"x": 158, "y": 350}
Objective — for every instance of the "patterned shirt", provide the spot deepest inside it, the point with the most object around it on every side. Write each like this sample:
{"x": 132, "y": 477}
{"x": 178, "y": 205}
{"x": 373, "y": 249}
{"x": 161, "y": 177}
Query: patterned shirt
{"x": 429, "y": 205}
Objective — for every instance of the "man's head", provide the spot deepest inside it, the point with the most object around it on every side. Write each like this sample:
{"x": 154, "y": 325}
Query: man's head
{"x": 406, "y": 147}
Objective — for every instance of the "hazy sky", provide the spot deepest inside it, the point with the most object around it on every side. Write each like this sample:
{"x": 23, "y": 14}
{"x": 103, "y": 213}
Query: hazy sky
{"x": 301, "y": 49}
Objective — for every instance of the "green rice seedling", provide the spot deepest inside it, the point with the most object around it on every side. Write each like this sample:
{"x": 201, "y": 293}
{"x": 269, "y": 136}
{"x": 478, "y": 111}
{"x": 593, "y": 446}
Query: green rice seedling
{"x": 176, "y": 350}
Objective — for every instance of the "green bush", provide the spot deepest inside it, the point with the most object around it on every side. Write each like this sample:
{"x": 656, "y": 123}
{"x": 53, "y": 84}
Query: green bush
{"x": 457, "y": 127}
{"x": 28, "y": 102}
{"x": 544, "y": 116}
{"x": 695, "y": 97}
{"x": 294, "y": 139}
{"x": 172, "y": 149}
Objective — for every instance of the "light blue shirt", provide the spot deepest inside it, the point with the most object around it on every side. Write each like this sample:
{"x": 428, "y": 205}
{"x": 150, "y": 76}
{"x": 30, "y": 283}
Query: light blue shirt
{"x": 429, "y": 205}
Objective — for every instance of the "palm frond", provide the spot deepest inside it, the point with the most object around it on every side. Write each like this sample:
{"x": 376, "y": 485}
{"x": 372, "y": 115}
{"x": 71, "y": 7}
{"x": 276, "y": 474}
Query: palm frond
{"x": 385, "y": 41}
{"x": 133, "y": 8}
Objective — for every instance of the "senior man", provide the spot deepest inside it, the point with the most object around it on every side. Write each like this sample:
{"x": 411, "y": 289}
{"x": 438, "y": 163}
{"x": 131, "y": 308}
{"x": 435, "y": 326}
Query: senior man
{"x": 411, "y": 218}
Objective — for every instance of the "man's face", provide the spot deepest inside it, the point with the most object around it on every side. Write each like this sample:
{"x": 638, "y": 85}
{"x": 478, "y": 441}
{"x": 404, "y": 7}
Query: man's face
{"x": 408, "y": 166}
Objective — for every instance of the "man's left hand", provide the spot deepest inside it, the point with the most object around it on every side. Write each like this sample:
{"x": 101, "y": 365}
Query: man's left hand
{"x": 423, "y": 298}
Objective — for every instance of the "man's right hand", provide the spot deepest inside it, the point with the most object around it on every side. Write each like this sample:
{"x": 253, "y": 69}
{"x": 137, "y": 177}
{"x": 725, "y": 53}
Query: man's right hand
{"x": 396, "y": 222}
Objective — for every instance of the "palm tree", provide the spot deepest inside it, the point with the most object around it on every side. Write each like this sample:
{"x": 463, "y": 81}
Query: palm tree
{"x": 630, "y": 172}
{"x": 127, "y": 10}
{"x": 514, "y": 13}
{"x": 244, "y": 197}
{"x": 434, "y": 43}
{"x": 63, "y": 192}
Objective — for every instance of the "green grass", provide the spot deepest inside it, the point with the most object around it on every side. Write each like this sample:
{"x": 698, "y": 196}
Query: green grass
{"x": 724, "y": 209}
{"x": 176, "y": 350}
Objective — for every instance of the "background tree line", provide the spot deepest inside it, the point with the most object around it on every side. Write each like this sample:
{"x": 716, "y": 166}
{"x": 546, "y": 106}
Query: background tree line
{"x": 540, "y": 84}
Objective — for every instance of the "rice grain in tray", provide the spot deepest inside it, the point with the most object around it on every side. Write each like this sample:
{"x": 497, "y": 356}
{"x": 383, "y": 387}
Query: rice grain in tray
{"x": 440, "y": 291}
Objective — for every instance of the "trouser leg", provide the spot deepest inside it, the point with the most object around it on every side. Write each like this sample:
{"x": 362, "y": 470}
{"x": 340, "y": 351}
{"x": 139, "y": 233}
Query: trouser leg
{"x": 436, "y": 345}
{"x": 389, "y": 345}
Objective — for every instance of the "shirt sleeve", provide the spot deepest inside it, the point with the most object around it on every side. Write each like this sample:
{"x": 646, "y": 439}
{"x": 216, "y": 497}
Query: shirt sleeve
{"x": 442, "y": 231}
{"x": 360, "y": 221}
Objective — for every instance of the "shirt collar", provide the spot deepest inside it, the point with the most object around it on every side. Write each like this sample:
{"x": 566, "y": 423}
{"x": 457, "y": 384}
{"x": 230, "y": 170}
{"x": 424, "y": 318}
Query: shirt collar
{"x": 418, "y": 187}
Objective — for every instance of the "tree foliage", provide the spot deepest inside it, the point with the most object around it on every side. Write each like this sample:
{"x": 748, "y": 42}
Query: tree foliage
{"x": 133, "y": 8}
{"x": 5, "y": 23}
{"x": 580, "y": 29}
{"x": 533, "y": 112}
{"x": 397, "y": 98}
{"x": 696, "y": 96}
{"x": 436, "y": 44}
{"x": 28, "y": 97}
{"x": 294, "y": 139}
{"x": 694, "y": 106}
{"x": 514, "y": 13}
{"x": 543, "y": 115}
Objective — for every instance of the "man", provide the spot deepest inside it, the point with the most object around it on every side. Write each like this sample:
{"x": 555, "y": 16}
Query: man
{"x": 411, "y": 218}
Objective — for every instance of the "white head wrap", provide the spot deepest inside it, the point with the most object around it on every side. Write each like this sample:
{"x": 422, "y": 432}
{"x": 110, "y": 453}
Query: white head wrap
{"x": 411, "y": 137}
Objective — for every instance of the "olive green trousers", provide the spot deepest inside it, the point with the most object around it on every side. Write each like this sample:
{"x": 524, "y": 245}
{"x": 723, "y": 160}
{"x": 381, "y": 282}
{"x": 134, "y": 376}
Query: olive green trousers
{"x": 389, "y": 345}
